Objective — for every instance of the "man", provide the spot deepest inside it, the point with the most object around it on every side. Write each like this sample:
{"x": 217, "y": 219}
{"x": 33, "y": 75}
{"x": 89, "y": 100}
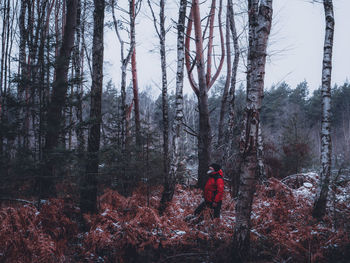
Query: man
{"x": 213, "y": 191}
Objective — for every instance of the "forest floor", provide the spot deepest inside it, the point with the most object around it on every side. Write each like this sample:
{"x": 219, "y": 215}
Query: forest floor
{"x": 131, "y": 229}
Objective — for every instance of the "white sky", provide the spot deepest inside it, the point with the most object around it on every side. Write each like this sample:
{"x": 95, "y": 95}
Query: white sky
{"x": 296, "y": 46}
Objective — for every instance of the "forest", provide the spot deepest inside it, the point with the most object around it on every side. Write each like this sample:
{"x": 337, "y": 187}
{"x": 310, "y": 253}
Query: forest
{"x": 95, "y": 167}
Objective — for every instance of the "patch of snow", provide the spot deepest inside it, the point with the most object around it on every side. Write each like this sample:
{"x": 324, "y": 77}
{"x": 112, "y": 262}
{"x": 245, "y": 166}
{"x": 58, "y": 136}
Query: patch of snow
{"x": 117, "y": 225}
{"x": 308, "y": 185}
{"x": 99, "y": 230}
{"x": 179, "y": 232}
{"x": 105, "y": 212}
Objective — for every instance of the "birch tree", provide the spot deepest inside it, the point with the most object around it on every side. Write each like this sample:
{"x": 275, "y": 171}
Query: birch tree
{"x": 228, "y": 98}
{"x": 161, "y": 32}
{"x": 125, "y": 108}
{"x": 326, "y": 144}
{"x": 176, "y": 140}
{"x": 260, "y": 18}
{"x": 88, "y": 194}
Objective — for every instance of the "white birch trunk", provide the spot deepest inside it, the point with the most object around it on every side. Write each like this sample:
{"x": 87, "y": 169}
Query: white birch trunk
{"x": 260, "y": 18}
{"x": 326, "y": 146}
{"x": 176, "y": 154}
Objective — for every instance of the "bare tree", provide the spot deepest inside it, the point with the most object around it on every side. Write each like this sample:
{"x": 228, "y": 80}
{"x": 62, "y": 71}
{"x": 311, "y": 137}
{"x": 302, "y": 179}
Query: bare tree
{"x": 161, "y": 32}
{"x": 260, "y": 18}
{"x": 326, "y": 143}
{"x": 88, "y": 194}
{"x": 205, "y": 79}
{"x": 232, "y": 92}
{"x": 124, "y": 61}
{"x": 132, "y": 12}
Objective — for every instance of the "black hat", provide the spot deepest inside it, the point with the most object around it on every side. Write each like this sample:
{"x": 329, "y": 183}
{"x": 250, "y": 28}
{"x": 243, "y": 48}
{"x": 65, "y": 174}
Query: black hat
{"x": 216, "y": 167}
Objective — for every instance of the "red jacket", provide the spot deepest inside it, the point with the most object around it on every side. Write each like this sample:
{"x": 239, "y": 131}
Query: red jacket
{"x": 214, "y": 188}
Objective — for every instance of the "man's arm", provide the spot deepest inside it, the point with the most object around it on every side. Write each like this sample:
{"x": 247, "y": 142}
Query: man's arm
{"x": 220, "y": 190}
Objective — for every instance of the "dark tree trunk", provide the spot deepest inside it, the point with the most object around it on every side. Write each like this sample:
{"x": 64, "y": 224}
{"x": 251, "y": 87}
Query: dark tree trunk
{"x": 326, "y": 143}
{"x": 169, "y": 183}
{"x": 260, "y": 17}
{"x": 134, "y": 75}
{"x": 78, "y": 69}
{"x": 57, "y": 104}
{"x": 88, "y": 197}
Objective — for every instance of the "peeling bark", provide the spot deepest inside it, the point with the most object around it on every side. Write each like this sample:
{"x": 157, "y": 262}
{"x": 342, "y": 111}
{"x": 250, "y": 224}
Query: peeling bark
{"x": 176, "y": 154}
{"x": 260, "y": 18}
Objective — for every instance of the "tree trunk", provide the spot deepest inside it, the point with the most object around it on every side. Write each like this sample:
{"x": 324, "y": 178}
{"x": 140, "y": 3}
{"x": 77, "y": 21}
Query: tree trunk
{"x": 223, "y": 110}
{"x": 204, "y": 136}
{"x": 176, "y": 147}
{"x": 260, "y": 17}
{"x": 326, "y": 144}
{"x": 205, "y": 81}
{"x": 78, "y": 68}
{"x": 231, "y": 124}
{"x": 88, "y": 197}
{"x": 134, "y": 75}
{"x": 168, "y": 181}
{"x": 55, "y": 108}
{"x": 260, "y": 157}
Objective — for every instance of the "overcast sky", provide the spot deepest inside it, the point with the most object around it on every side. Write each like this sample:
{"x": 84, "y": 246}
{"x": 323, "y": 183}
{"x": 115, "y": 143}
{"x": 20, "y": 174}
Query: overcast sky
{"x": 296, "y": 47}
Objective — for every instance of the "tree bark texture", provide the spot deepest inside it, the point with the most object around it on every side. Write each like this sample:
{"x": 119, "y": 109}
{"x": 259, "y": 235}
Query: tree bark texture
{"x": 59, "y": 91}
{"x": 326, "y": 143}
{"x": 176, "y": 154}
{"x": 260, "y": 17}
{"x": 88, "y": 202}
{"x": 233, "y": 74}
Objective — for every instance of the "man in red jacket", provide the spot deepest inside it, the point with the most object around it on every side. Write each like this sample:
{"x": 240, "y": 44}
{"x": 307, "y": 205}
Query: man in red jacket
{"x": 213, "y": 191}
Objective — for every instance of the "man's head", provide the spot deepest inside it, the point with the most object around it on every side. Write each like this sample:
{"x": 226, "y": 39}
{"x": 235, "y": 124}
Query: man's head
{"x": 216, "y": 167}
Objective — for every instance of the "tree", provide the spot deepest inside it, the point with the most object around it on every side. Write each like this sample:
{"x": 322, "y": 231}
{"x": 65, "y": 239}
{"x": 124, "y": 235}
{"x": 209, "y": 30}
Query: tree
{"x": 326, "y": 145}
{"x": 232, "y": 90}
{"x": 177, "y": 125}
{"x": 88, "y": 193}
{"x": 54, "y": 113}
{"x": 169, "y": 184}
{"x": 260, "y": 18}
{"x": 132, "y": 14}
{"x": 205, "y": 79}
